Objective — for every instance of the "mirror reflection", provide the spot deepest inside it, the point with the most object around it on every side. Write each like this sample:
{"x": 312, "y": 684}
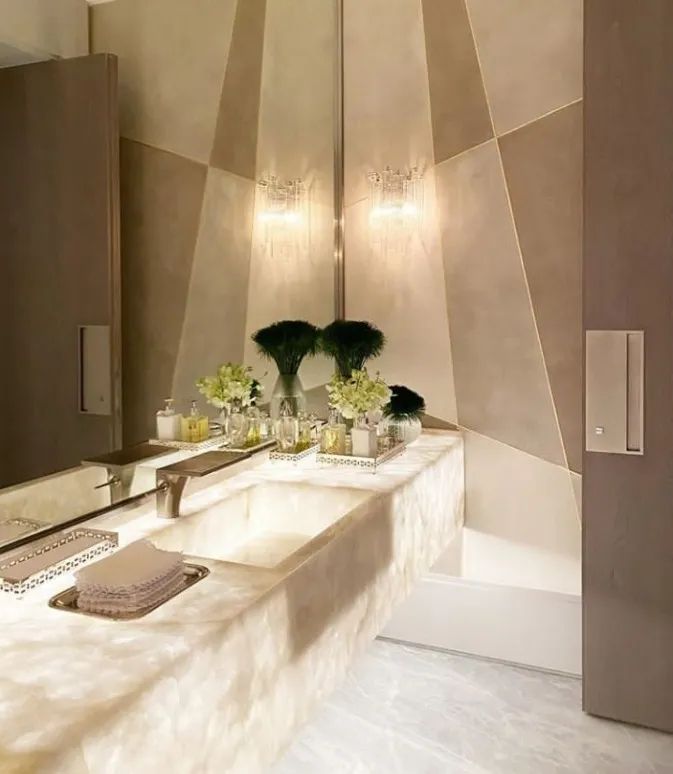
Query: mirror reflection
{"x": 190, "y": 203}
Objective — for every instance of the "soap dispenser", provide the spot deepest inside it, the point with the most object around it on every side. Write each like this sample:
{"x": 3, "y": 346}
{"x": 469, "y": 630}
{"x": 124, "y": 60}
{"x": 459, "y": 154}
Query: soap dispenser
{"x": 195, "y": 427}
{"x": 169, "y": 423}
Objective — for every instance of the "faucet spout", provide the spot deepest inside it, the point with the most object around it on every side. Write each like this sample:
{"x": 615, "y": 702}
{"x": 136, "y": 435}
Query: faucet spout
{"x": 172, "y": 479}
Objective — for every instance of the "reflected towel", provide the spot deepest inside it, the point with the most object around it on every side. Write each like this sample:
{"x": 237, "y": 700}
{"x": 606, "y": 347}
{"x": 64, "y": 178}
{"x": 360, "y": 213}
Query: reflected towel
{"x": 10, "y": 529}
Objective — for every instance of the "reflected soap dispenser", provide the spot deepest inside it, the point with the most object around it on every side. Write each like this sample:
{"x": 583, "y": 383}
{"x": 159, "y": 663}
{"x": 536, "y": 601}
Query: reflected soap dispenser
{"x": 169, "y": 424}
{"x": 195, "y": 427}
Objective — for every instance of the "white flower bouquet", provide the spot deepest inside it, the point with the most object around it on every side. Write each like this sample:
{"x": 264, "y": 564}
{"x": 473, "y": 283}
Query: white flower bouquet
{"x": 357, "y": 394}
{"x": 231, "y": 384}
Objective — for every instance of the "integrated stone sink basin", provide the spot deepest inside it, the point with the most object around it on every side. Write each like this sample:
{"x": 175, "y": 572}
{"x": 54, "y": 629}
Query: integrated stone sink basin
{"x": 221, "y": 677}
{"x": 262, "y": 525}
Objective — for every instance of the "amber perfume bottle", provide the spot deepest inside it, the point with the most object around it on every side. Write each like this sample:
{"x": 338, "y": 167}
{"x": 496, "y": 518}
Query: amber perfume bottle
{"x": 333, "y": 436}
{"x": 195, "y": 426}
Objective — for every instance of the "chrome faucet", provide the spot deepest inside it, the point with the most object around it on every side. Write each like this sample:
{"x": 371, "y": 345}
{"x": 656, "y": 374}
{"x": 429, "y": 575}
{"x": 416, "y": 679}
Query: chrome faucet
{"x": 172, "y": 479}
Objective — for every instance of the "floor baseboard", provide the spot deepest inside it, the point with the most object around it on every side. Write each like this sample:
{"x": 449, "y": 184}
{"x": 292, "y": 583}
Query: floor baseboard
{"x": 529, "y": 627}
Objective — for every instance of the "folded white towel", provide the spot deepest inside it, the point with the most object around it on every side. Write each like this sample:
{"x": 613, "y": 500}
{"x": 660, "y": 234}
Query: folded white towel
{"x": 133, "y": 578}
{"x": 106, "y": 603}
{"x": 138, "y": 565}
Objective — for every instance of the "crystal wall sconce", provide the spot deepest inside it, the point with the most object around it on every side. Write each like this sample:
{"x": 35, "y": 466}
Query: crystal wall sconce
{"x": 283, "y": 214}
{"x": 396, "y": 212}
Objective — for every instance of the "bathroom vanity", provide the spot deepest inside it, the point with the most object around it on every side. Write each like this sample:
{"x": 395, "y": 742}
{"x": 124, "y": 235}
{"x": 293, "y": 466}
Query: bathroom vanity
{"x": 306, "y": 564}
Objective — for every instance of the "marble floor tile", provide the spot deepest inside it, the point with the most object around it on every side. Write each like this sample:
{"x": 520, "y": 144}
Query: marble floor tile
{"x": 417, "y": 711}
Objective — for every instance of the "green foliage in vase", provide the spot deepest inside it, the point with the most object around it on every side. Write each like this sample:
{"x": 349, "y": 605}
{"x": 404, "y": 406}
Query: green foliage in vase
{"x": 351, "y": 343}
{"x": 404, "y": 403}
{"x": 287, "y": 343}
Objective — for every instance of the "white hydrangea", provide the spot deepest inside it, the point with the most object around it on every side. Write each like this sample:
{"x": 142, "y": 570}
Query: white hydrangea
{"x": 232, "y": 383}
{"x": 358, "y": 394}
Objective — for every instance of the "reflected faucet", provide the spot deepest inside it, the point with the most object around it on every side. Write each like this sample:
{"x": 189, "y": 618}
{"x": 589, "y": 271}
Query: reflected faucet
{"x": 121, "y": 465}
{"x": 172, "y": 479}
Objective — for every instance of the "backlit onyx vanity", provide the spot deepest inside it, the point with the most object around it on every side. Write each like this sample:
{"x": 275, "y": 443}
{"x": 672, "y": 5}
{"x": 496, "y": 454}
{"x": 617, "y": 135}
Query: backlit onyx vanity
{"x": 306, "y": 564}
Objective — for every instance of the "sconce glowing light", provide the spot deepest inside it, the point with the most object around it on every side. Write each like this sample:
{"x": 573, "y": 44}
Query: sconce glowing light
{"x": 282, "y": 210}
{"x": 396, "y": 207}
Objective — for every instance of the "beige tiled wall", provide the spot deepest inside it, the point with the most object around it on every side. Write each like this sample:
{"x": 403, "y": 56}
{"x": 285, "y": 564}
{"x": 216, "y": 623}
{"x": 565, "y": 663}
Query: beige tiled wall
{"x": 214, "y": 95}
{"x": 481, "y": 311}
{"x": 37, "y": 28}
{"x": 295, "y": 140}
{"x": 388, "y": 122}
{"x": 487, "y": 94}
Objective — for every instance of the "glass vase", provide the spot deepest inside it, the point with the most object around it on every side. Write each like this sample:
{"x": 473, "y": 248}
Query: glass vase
{"x": 237, "y": 427}
{"x": 405, "y": 430}
{"x": 288, "y": 395}
{"x": 223, "y": 419}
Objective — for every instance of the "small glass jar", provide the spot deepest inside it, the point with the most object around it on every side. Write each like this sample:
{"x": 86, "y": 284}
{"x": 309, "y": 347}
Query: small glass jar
{"x": 253, "y": 434}
{"x": 287, "y": 432}
{"x": 303, "y": 432}
{"x": 265, "y": 426}
{"x": 315, "y": 428}
{"x": 238, "y": 427}
{"x": 223, "y": 418}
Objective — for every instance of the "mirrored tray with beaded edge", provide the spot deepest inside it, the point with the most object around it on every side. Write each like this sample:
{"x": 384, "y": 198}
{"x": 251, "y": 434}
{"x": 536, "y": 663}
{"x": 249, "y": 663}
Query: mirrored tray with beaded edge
{"x": 364, "y": 463}
{"x": 67, "y": 600}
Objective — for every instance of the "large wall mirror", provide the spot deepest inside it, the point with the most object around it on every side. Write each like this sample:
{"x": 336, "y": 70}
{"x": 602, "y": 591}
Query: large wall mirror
{"x": 218, "y": 112}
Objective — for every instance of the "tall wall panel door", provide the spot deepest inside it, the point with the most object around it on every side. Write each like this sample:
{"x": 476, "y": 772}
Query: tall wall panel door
{"x": 628, "y": 286}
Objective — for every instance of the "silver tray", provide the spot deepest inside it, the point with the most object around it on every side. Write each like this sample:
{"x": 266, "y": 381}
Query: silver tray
{"x": 67, "y": 600}
{"x": 268, "y": 444}
{"x": 34, "y": 564}
{"x": 208, "y": 443}
{"x": 363, "y": 463}
{"x": 288, "y": 456}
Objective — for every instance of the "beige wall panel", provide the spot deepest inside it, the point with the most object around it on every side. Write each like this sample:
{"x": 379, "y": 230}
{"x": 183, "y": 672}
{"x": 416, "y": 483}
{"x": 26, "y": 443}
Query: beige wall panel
{"x": 531, "y": 56}
{"x": 404, "y": 295}
{"x": 46, "y": 27}
{"x": 161, "y": 196}
{"x": 543, "y": 168}
{"x": 297, "y": 284}
{"x": 521, "y": 521}
{"x": 388, "y": 122}
{"x": 235, "y": 145}
{"x": 296, "y": 114}
{"x": 296, "y": 141}
{"x": 460, "y": 117}
{"x": 576, "y": 481}
{"x": 214, "y": 327}
{"x": 387, "y": 111}
{"x": 501, "y": 384}
{"x": 171, "y": 67}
